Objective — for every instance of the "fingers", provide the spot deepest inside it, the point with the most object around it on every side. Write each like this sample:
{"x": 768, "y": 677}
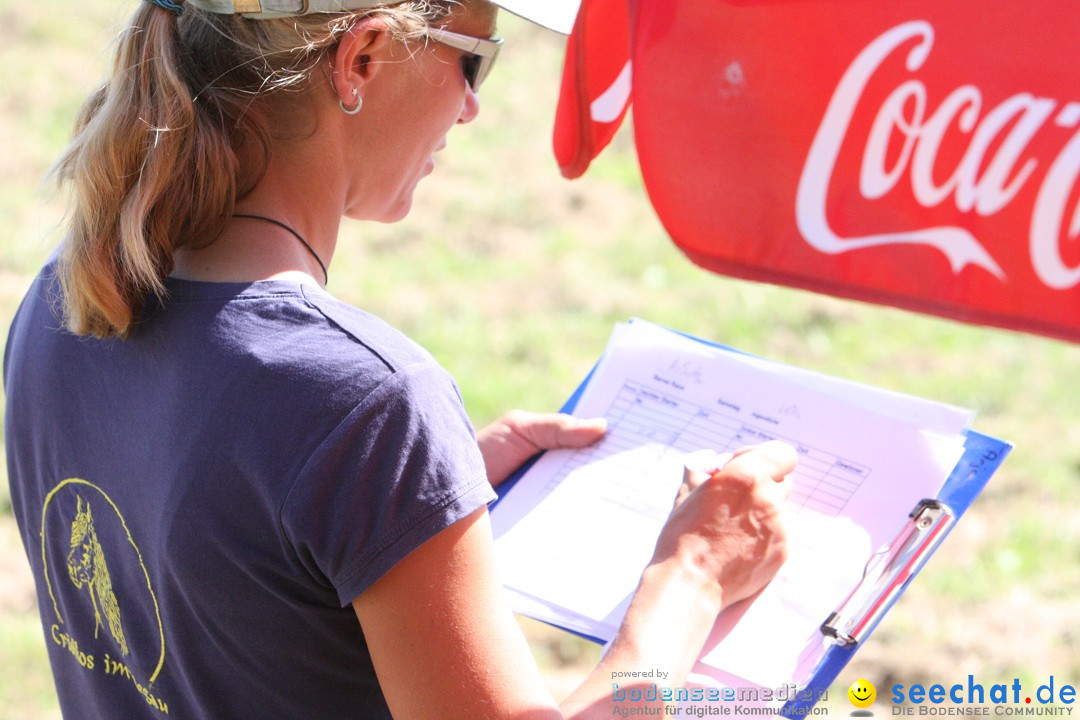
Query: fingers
{"x": 698, "y": 467}
{"x": 701, "y": 465}
{"x": 767, "y": 466}
{"x": 773, "y": 459}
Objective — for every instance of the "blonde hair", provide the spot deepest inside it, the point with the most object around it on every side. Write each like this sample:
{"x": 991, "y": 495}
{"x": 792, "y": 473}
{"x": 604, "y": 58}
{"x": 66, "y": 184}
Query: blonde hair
{"x": 163, "y": 150}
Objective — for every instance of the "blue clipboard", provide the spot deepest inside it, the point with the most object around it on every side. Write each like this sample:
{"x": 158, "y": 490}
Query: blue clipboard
{"x": 919, "y": 537}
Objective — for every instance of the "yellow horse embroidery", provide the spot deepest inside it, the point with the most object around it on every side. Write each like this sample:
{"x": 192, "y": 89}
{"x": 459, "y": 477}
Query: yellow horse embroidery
{"x": 86, "y": 566}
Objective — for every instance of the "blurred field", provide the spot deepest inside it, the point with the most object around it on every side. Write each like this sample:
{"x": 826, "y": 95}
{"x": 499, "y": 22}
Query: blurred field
{"x": 514, "y": 277}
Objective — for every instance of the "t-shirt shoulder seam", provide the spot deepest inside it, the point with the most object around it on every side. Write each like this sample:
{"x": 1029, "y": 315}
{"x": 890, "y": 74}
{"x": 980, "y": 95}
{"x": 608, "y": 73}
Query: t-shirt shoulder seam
{"x": 181, "y": 298}
{"x": 345, "y": 331}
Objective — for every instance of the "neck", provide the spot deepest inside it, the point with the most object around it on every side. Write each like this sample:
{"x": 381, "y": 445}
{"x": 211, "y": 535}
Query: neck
{"x": 253, "y": 247}
{"x": 303, "y": 187}
{"x": 249, "y": 250}
{"x": 299, "y": 238}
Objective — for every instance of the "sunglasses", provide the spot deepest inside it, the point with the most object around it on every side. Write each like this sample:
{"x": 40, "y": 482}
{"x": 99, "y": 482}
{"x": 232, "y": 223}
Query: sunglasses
{"x": 480, "y": 57}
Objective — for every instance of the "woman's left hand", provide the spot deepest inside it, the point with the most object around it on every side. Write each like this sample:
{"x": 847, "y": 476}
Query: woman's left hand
{"x": 518, "y": 435}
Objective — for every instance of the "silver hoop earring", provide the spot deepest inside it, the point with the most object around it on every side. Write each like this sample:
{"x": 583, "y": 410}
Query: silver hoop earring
{"x": 352, "y": 110}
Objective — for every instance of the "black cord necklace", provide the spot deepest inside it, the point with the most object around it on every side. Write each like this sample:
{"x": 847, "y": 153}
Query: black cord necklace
{"x": 326, "y": 276}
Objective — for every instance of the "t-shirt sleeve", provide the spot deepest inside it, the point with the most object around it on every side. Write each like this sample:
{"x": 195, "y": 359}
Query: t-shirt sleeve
{"x": 402, "y": 466}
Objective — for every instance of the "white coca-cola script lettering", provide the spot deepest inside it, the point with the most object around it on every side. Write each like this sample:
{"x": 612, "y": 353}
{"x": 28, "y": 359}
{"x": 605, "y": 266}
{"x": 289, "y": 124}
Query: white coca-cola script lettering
{"x": 976, "y": 185}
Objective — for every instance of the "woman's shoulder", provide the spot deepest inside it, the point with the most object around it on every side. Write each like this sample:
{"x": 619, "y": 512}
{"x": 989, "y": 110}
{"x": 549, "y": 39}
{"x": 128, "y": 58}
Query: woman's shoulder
{"x": 326, "y": 354}
{"x": 278, "y": 322}
{"x": 366, "y": 330}
{"x": 273, "y": 343}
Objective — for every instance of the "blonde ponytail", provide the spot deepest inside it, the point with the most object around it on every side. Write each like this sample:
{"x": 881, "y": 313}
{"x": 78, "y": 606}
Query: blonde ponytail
{"x": 162, "y": 152}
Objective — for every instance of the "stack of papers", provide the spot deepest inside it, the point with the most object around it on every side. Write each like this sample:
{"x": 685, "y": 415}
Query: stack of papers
{"x": 576, "y": 530}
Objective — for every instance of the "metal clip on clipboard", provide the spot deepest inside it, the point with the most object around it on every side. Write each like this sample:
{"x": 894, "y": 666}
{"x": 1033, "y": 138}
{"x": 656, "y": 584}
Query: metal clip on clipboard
{"x": 887, "y": 571}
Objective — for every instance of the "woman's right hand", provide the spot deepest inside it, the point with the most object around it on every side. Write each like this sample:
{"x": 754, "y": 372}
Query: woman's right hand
{"x": 440, "y": 613}
{"x": 727, "y": 532}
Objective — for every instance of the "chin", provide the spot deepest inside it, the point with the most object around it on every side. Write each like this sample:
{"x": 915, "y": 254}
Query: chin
{"x": 399, "y": 212}
{"x": 391, "y": 214}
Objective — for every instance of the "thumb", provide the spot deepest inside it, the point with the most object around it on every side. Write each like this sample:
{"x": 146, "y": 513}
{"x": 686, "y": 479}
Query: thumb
{"x": 558, "y": 430}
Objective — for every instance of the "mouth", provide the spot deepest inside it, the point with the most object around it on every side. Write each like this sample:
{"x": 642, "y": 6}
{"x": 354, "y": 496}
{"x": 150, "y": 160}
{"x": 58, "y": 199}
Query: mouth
{"x": 860, "y": 697}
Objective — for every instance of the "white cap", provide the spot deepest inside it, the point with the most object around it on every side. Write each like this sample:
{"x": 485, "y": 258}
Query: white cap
{"x": 558, "y": 15}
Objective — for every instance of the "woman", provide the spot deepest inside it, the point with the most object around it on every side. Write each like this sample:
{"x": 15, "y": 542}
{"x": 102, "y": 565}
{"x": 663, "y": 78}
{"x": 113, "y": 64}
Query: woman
{"x": 243, "y": 498}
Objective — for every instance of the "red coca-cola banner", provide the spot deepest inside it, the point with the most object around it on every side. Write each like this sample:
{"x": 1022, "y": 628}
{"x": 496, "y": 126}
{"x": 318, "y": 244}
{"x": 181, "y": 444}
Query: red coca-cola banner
{"x": 917, "y": 153}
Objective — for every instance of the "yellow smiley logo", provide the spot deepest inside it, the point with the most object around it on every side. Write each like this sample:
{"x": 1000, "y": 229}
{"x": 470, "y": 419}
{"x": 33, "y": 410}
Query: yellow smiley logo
{"x": 862, "y": 693}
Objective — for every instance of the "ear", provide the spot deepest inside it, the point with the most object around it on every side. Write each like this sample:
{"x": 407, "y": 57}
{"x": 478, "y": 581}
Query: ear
{"x": 359, "y": 54}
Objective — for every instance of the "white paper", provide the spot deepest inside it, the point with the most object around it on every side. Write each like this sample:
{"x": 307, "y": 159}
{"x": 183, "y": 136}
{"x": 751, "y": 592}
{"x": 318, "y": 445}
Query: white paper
{"x": 574, "y": 534}
{"x": 927, "y": 414}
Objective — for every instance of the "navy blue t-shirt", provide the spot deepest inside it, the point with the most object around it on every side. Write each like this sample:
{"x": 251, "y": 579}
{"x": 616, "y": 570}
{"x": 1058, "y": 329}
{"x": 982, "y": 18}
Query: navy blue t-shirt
{"x": 201, "y": 502}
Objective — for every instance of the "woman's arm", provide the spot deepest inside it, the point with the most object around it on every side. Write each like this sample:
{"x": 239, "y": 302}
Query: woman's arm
{"x": 442, "y": 637}
{"x": 446, "y": 646}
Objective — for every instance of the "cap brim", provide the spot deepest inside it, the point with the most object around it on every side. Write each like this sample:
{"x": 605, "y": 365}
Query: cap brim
{"x": 557, "y": 15}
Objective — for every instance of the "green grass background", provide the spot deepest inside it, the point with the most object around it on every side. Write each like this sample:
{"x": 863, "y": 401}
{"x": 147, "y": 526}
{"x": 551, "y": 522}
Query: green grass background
{"x": 514, "y": 277}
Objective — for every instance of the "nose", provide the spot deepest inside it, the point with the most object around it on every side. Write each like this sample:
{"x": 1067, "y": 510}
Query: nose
{"x": 470, "y": 107}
